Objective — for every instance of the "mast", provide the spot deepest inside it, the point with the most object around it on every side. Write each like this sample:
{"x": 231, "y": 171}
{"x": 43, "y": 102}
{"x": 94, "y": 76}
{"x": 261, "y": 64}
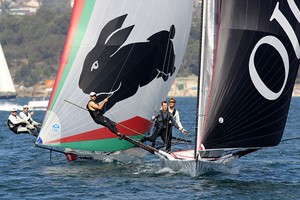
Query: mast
{"x": 207, "y": 44}
{"x": 200, "y": 79}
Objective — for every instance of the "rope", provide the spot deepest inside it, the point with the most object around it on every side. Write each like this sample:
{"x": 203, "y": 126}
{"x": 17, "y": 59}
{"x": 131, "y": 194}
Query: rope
{"x": 115, "y": 123}
{"x": 297, "y": 138}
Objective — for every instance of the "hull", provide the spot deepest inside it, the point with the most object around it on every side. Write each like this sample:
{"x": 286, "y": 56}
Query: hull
{"x": 184, "y": 162}
{"x": 196, "y": 168}
{"x": 38, "y": 105}
{"x": 124, "y": 156}
{"x": 8, "y": 96}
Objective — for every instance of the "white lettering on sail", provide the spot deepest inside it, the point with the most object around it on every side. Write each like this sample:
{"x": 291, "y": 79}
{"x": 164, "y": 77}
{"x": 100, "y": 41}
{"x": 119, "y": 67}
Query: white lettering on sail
{"x": 277, "y": 44}
{"x": 258, "y": 83}
{"x": 294, "y": 9}
{"x": 284, "y": 23}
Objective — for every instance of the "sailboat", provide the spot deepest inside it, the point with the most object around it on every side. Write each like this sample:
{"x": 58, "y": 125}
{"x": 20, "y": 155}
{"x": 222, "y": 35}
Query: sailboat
{"x": 129, "y": 51}
{"x": 7, "y": 88}
{"x": 42, "y": 104}
{"x": 249, "y": 62}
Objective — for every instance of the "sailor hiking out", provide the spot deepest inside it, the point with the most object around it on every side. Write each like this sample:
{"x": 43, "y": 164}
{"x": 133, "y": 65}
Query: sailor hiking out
{"x": 18, "y": 125}
{"x": 96, "y": 112}
{"x": 26, "y": 115}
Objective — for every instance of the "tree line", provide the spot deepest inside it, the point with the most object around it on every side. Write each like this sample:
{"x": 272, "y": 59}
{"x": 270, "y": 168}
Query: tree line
{"x": 33, "y": 44}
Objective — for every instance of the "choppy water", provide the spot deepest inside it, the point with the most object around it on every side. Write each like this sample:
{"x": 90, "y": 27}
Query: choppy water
{"x": 27, "y": 173}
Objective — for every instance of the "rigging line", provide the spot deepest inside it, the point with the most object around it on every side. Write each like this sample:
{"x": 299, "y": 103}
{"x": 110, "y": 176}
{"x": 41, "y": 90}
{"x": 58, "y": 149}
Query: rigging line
{"x": 297, "y": 138}
{"x": 110, "y": 93}
{"x": 115, "y": 122}
{"x": 75, "y": 105}
{"x": 164, "y": 65}
{"x": 122, "y": 67}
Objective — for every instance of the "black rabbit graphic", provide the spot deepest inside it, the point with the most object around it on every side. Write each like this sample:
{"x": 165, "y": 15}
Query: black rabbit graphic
{"x": 118, "y": 72}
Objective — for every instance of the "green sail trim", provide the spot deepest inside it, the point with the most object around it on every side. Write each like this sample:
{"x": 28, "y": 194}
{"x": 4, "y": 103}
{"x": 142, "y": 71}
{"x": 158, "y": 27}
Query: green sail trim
{"x": 82, "y": 26}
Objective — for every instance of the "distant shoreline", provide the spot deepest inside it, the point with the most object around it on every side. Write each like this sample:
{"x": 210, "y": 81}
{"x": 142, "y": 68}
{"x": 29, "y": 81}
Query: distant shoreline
{"x": 187, "y": 87}
{"x": 181, "y": 87}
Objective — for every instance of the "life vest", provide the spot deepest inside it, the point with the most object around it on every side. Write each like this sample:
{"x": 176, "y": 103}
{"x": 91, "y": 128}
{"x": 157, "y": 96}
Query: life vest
{"x": 12, "y": 127}
{"x": 174, "y": 111}
{"x": 29, "y": 120}
{"x": 93, "y": 113}
{"x": 161, "y": 121}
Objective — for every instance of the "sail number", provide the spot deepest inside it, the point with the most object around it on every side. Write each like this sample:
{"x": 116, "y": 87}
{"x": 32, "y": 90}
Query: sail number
{"x": 279, "y": 47}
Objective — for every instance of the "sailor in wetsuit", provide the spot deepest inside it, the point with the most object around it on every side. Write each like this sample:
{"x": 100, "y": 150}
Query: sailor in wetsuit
{"x": 96, "y": 113}
{"x": 162, "y": 118}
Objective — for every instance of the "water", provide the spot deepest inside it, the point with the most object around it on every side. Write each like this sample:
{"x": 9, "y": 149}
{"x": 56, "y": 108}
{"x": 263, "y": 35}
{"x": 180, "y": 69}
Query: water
{"x": 27, "y": 173}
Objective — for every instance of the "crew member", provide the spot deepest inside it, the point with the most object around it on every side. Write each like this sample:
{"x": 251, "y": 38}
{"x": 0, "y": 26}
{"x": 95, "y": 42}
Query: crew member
{"x": 18, "y": 125}
{"x": 162, "y": 119}
{"x": 28, "y": 117}
{"x": 96, "y": 113}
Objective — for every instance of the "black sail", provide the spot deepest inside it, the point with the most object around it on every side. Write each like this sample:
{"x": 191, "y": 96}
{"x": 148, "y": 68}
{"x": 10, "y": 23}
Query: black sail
{"x": 254, "y": 72}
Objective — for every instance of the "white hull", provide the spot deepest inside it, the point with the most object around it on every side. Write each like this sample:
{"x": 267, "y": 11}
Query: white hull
{"x": 193, "y": 167}
{"x": 196, "y": 168}
{"x": 38, "y": 105}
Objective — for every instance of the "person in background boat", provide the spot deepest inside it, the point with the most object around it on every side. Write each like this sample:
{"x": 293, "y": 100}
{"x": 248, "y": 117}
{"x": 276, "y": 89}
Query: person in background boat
{"x": 162, "y": 119}
{"x": 18, "y": 125}
{"x": 96, "y": 113}
{"x": 175, "y": 114}
{"x": 26, "y": 115}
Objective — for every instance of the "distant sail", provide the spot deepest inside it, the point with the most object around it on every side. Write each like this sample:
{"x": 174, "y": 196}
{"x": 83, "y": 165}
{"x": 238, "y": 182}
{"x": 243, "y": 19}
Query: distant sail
{"x": 127, "y": 50}
{"x": 7, "y": 88}
{"x": 256, "y": 63}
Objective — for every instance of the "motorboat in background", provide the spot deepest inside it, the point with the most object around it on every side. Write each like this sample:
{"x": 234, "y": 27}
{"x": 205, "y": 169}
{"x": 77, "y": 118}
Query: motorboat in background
{"x": 41, "y": 104}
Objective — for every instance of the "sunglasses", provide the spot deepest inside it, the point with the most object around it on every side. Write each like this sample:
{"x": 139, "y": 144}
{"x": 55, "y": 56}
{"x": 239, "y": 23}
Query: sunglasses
{"x": 172, "y": 101}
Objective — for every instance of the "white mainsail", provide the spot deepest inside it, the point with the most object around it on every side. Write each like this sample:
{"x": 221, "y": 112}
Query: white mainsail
{"x": 6, "y": 82}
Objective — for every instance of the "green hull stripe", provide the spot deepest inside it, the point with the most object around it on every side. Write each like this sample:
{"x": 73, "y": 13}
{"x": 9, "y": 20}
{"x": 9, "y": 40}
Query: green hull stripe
{"x": 107, "y": 145}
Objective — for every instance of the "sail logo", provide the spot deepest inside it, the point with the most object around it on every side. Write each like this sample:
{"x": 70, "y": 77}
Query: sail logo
{"x": 55, "y": 128}
{"x": 279, "y": 47}
{"x": 117, "y": 70}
